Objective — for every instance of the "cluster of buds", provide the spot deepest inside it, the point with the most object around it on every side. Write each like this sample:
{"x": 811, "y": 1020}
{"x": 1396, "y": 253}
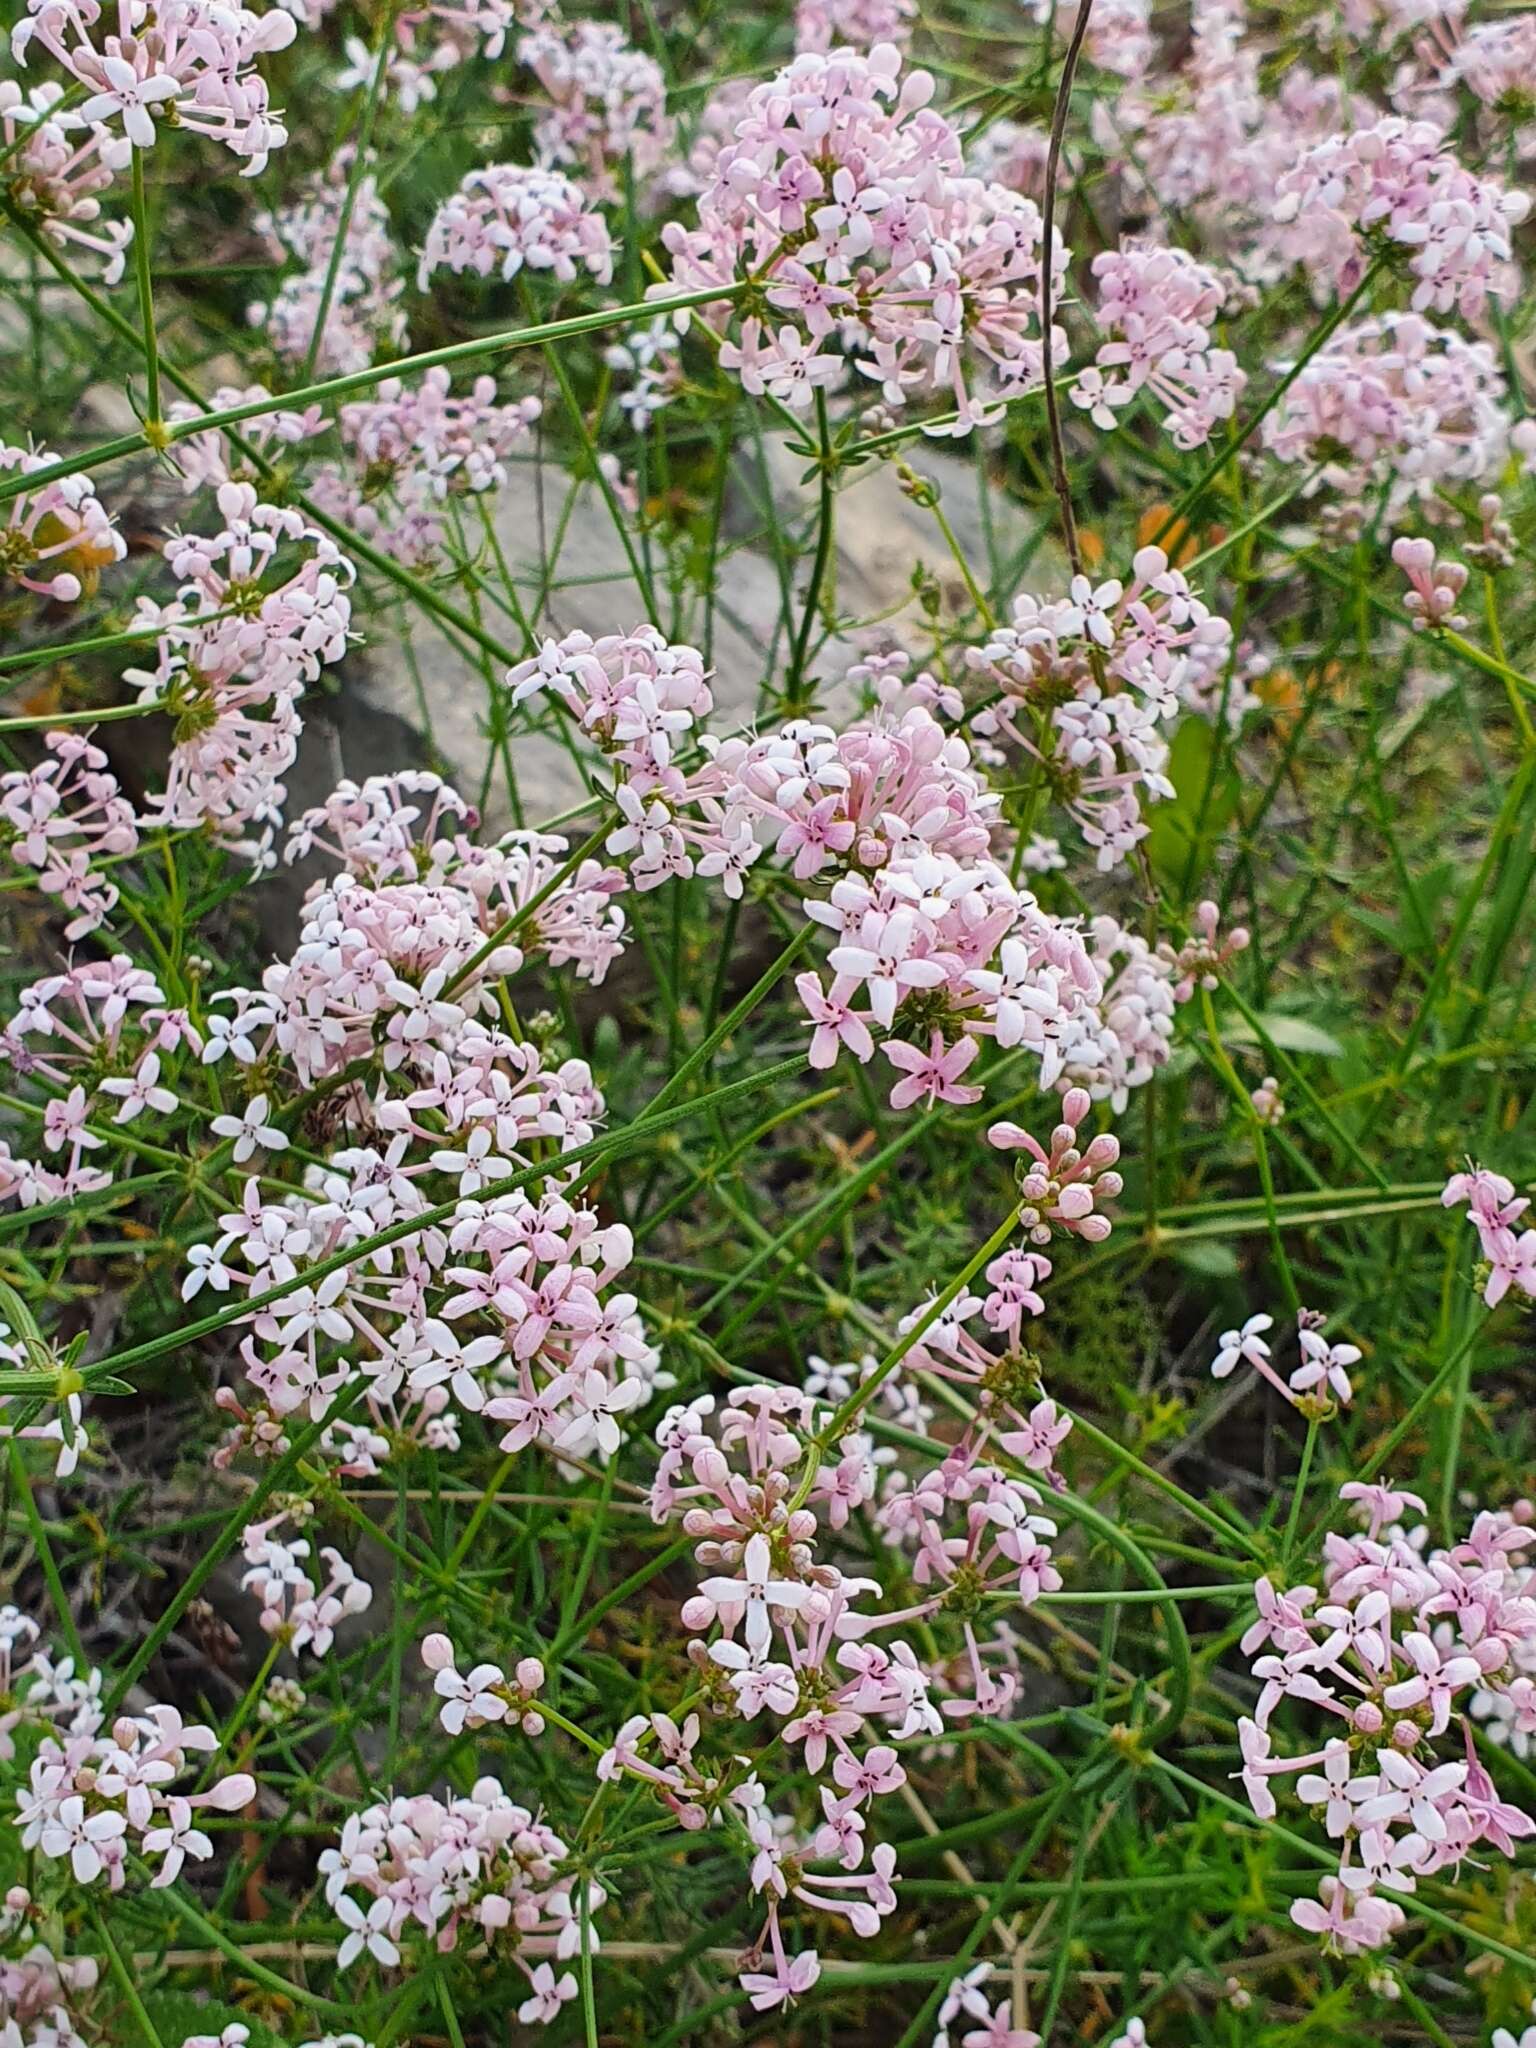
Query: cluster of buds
{"x": 1435, "y": 584}
{"x": 1059, "y": 1190}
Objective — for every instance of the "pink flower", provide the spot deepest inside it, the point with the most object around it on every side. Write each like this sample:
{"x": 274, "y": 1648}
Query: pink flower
{"x": 933, "y": 1076}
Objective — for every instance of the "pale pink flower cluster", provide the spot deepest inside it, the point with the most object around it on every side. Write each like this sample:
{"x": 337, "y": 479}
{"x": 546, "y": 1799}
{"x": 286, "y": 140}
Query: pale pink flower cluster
{"x": 187, "y": 63}
{"x": 792, "y": 1642}
{"x": 1119, "y": 35}
{"x": 428, "y": 43}
{"x": 1395, "y": 186}
{"x": 55, "y": 530}
{"x": 606, "y": 104}
{"x": 1090, "y": 679}
{"x": 1496, "y": 62}
{"x": 235, "y": 649}
{"x": 480, "y": 1867}
{"x": 64, "y": 814}
{"x": 639, "y": 698}
{"x": 790, "y": 1645}
{"x": 58, "y": 172}
{"x": 299, "y": 1612}
{"x": 211, "y": 458}
{"x": 844, "y": 199}
{"x": 484, "y": 1696}
{"x": 508, "y": 218}
{"x": 1211, "y": 139}
{"x": 96, "y": 1794}
{"x": 822, "y": 25}
{"x": 1012, "y": 154}
{"x": 511, "y": 1305}
{"x": 93, "y": 1036}
{"x": 1390, "y": 1651}
{"x": 1394, "y": 402}
{"x": 1159, "y": 304}
{"x": 364, "y": 314}
{"x": 1496, "y": 1210}
{"x": 37, "y": 1985}
{"x": 408, "y": 449}
{"x": 889, "y": 822}
{"x": 1435, "y": 583}
{"x": 1316, "y": 1385}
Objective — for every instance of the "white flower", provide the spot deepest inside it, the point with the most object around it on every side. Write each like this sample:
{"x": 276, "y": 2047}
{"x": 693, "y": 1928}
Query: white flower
{"x": 250, "y": 1129}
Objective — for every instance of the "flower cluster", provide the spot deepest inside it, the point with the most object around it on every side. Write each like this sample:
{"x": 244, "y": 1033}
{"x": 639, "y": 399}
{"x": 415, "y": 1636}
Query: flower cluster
{"x": 853, "y": 24}
{"x": 441, "y": 1870}
{"x": 1160, "y": 305}
{"x": 843, "y": 202}
{"x": 58, "y": 167}
{"x": 1395, "y": 186}
{"x": 299, "y": 1613}
{"x": 97, "y": 1795}
{"x": 235, "y": 649}
{"x": 210, "y": 459}
{"x": 66, "y": 813}
{"x": 1394, "y": 403}
{"x": 56, "y": 536}
{"x": 94, "y": 1036}
{"x": 409, "y": 448}
{"x": 363, "y": 313}
{"x": 191, "y": 62}
{"x": 1495, "y": 1210}
{"x": 484, "y": 1696}
{"x": 507, "y": 218}
{"x": 765, "y": 1486}
{"x": 1088, "y": 681}
{"x": 1317, "y": 1383}
{"x": 606, "y": 104}
{"x": 1391, "y": 1647}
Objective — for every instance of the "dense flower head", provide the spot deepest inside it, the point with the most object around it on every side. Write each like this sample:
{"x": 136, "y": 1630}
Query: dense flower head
{"x": 1394, "y": 402}
{"x": 411, "y": 447}
{"x": 97, "y": 1791}
{"x": 59, "y": 166}
{"x": 853, "y": 24}
{"x": 1397, "y": 185}
{"x": 605, "y": 104}
{"x": 476, "y": 1866}
{"x": 188, "y": 61}
{"x": 844, "y": 199}
{"x": 363, "y": 314}
{"x": 1397, "y": 1641}
{"x": 63, "y": 814}
{"x": 508, "y": 218}
{"x": 234, "y": 651}
{"x": 1160, "y": 305}
{"x": 1103, "y": 669}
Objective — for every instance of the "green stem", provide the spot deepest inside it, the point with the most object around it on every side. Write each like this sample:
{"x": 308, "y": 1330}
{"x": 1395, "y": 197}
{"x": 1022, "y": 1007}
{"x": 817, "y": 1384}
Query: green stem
{"x": 501, "y": 343}
{"x": 154, "y": 424}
